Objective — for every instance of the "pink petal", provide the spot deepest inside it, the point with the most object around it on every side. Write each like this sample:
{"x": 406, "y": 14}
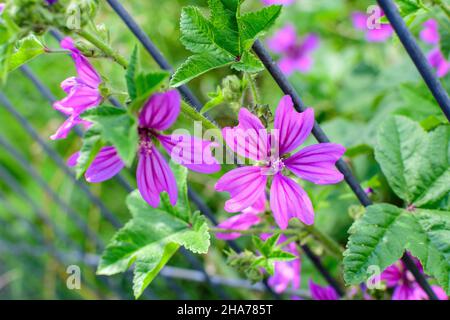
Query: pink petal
{"x": 85, "y": 70}
{"x": 430, "y": 33}
{"x": 310, "y": 43}
{"x": 381, "y": 34}
{"x": 404, "y": 292}
{"x": 161, "y": 110}
{"x": 154, "y": 176}
{"x": 322, "y": 293}
{"x": 288, "y": 200}
{"x": 293, "y": 127}
{"x": 359, "y": 20}
{"x": 392, "y": 275}
{"x": 304, "y": 64}
{"x": 67, "y": 126}
{"x": 285, "y": 2}
{"x": 191, "y": 152}
{"x": 249, "y": 138}
{"x": 287, "y": 65}
{"x": 73, "y": 159}
{"x": 246, "y": 185}
{"x": 79, "y": 99}
{"x": 438, "y": 61}
{"x": 283, "y": 40}
{"x": 243, "y": 221}
{"x": 68, "y": 84}
{"x": 258, "y": 207}
{"x": 106, "y": 165}
{"x": 316, "y": 163}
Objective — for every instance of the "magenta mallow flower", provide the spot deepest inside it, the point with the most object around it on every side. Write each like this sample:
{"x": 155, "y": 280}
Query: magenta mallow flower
{"x": 82, "y": 91}
{"x": 153, "y": 174}
{"x": 375, "y": 31}
{"x": 430, "y": 35}
{"x": 244, "y": 221}
{"x": 247, "y": 184}
{"x": 398, "y": 277}
{"x": 322, "y": 293}
{"x": 296, "y": 54}
{"x": 430, "y": 32}
{"x": 287, "y": 273}
{"x": 270, "y": 2}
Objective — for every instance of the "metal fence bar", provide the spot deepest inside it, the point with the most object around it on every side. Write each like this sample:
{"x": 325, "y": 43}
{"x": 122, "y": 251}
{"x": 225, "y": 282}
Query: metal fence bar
{"x": 82, "y": 225}
{"x": 416, "y": 55}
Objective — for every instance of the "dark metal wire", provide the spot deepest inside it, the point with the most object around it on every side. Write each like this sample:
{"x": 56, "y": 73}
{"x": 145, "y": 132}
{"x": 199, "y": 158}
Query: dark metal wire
{"x": 416, "y": 55}
{"x": 82, "y": 225}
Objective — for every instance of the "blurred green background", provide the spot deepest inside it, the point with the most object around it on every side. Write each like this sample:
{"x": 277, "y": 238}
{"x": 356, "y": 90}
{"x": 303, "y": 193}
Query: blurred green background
{"x": 353, "y": 86}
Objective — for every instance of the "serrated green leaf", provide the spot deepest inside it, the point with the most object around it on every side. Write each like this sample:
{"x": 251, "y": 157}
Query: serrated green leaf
{"x": 131, "y": 74}
{"x": 118, "y": 128}
{"x": 384, "y": 232}
{"x": 197, "y": 65}
{"x": 415, "y": 163}
{"x": 431, "y": 244}
{"x": 146, "y": 84}
{"x": 153, "y": 235}
{"x": 224, "y": 39}
{"x": 91, "y": 146}
{"x": 377, "y": 239}
{"x": 253, "y": 24}
{"x": 27, "y": 49}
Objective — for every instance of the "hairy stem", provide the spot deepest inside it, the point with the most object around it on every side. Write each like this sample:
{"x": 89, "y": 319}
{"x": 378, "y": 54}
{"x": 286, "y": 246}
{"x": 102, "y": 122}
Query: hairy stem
{"x": 253, "y": 88}
{"x": 104, "y": 47}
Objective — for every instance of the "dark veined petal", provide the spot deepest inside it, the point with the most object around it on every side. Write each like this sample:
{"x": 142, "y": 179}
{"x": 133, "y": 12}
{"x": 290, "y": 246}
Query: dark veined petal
{"x": 288, "y": 200}
{"x": 161, "y": 110}
{"x": 293, "y": 127}
{"x": 191, "y": 152}
{"x": 106, "y": 165}
{"x": 246, "y": 185}
{"x": 248, "y": 139}
{"x": 316, "y": 163}
{"x": 154, "y": 176}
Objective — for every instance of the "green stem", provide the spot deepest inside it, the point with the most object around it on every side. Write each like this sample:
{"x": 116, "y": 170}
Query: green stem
{"x": 331, "y": 245}
{"x": 253, "y": 89}
{"x": 104, "y": 47}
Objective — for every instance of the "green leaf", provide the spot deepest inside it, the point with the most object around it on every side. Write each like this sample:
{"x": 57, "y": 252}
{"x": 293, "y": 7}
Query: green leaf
{"x": 253, "y": 24}
{"x": 146, "y": 84}
{"x": 91, "y": 146}
{"x": 153, "y": 235}
{"x": 224, "y": 39}
{"x": 197, "y": 65}
{"x": 131, "y": 74}
{"x": 377, "y": 239}
{"x": 384, "y": 232}
{"x": 27, "y": 49}
{"x": 118, "y": 128}
{"x": 415, "y": 163}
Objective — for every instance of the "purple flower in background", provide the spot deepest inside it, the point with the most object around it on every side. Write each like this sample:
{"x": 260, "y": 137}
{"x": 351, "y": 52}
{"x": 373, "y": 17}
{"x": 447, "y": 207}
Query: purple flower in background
{"x": 287, "y": 273}
{"x": 430, "y": 32}
{"x": 2, "y": 7}
{"x": 270, "y": 2}
{"x": 296, "y": 54}
{"x": 51, "y": 2}
{"x": 315, "y": 163}
{"x": 398, "y": 277}
{"x": 322, "y": 293}
{"x": 153, "y": 173}
{"x": 244, "y": 221}
{"x": 374, "y": 30}
{"x": 438, "y": 61}
{"x": 430, "y": 35}
{"x": 82, "y": 91}
{"x": 105, "y": 165}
